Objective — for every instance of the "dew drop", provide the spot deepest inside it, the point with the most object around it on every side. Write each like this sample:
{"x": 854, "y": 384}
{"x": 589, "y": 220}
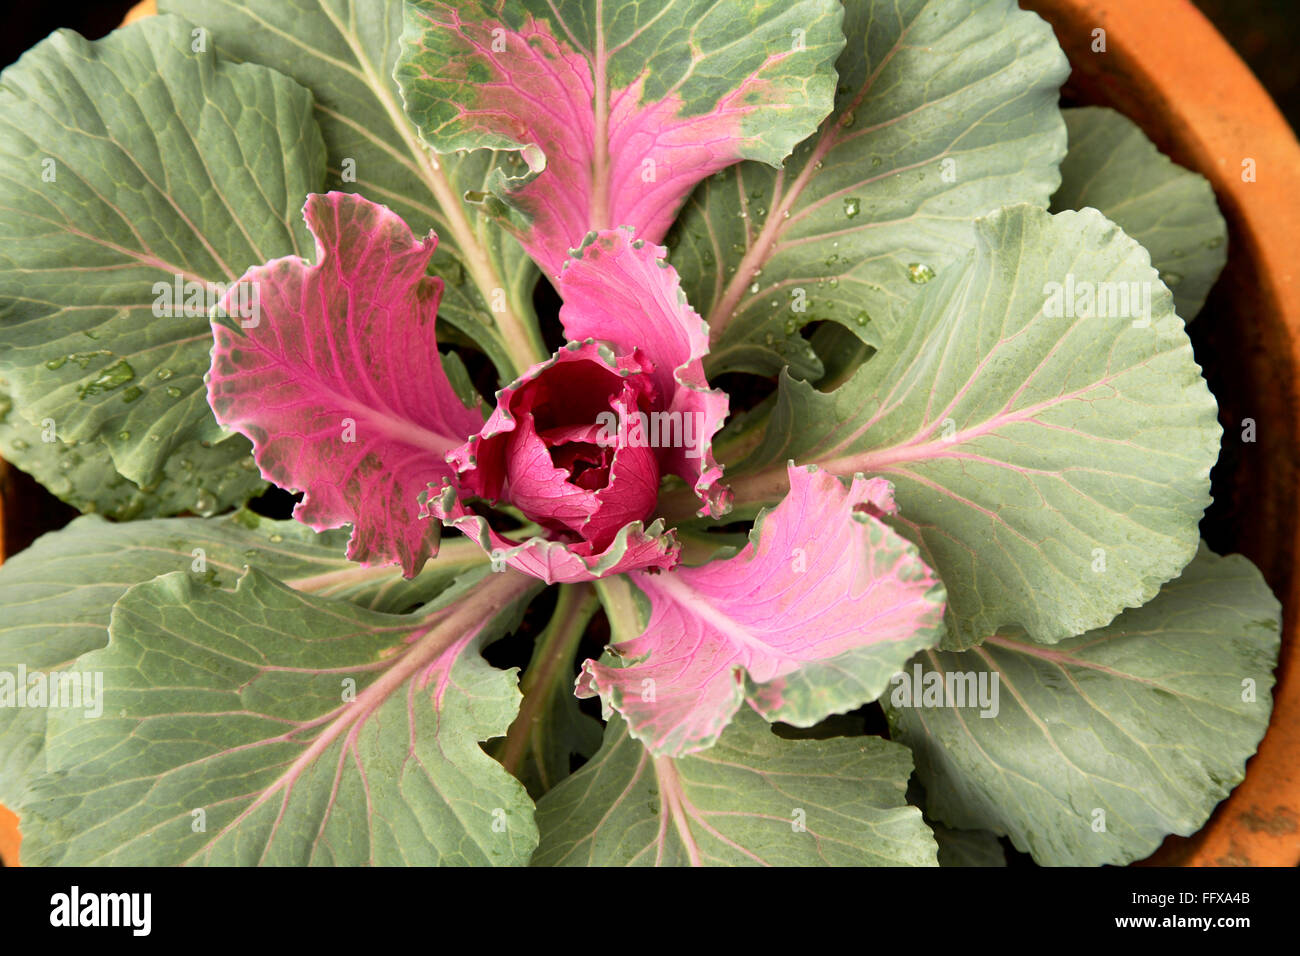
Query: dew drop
{"x": 753, "y": 287}
{"x": 163, "y": 374}
{"x": 56, "y": 363}
{"x": 205, "y": 503}
{"x": 862, "y": 318}
{"x": 123, "y": 436}
{"x": 852, "y": 207}
{"x": 115, "y": 376}
{"x": 20, "y": 444}
{"x": 276, "y": 538}
{"x": 173, "y": 391}
{"x": 876, "y": 161}
{"x": 919, "y": 272}
{"x": 132, "y": 393}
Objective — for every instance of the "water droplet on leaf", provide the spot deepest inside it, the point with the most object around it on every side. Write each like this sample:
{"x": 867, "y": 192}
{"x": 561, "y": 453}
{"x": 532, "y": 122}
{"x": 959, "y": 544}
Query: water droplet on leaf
{"x": 115, "y": 376}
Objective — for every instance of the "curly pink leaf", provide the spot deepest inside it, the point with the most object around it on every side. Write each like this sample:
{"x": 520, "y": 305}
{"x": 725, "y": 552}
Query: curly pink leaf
{"x": 810, "y": 619}
{"x": 337, "y": 379}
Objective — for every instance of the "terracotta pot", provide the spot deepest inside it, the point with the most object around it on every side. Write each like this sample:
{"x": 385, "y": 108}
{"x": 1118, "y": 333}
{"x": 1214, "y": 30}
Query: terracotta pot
{"x": 1167, "y": 68}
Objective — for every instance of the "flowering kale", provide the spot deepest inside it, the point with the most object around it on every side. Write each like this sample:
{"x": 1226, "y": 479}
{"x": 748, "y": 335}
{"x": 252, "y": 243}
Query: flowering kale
{"x": 872, "y": 430}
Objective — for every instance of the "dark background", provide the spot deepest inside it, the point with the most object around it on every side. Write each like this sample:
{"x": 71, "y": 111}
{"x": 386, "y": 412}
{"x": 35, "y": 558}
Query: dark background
{"x": 1263, "y": 32}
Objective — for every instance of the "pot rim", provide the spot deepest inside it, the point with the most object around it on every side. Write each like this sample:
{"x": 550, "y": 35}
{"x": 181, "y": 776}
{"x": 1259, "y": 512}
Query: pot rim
{"x": 1168, "y": 68}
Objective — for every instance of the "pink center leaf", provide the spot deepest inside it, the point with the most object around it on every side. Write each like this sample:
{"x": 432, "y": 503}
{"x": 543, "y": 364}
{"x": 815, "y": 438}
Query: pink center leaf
{"x": 553, "y": 448}
{"x": 337, "y": 380}
{"x": 810, "y": 619}
{"x": 621, "y": 290}
{"x": 602, "y": 144}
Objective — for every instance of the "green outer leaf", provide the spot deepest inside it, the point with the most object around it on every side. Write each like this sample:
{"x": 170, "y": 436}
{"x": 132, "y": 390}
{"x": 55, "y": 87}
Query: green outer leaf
{"x": 958, "y": 847}
{"x": 83, "y": 474}
{"x": 1019, "y": 443}
{"x": 167, "y": 162}
{"x": 344, "y": 51}
{"x": 736, "y": 804}
{"x": 968, "y": 847}
{"x": 56, "y": 596}
{"x": 922, "y": 81}
{"x": 232, "y": 703}
{"x": 1143, "y": 719}
{"x": 1171, "y": 211}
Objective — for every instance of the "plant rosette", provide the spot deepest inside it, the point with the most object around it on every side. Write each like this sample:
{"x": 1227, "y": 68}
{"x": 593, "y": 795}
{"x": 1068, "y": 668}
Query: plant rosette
{"x": 826, "y": 273}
